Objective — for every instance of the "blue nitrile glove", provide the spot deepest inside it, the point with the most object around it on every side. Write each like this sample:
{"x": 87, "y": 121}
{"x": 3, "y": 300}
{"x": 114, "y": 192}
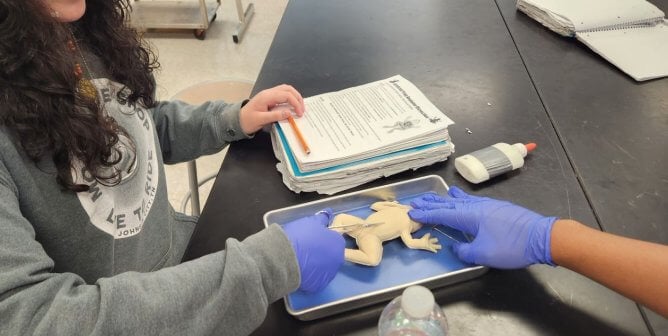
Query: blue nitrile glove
{"x": 319, "y": 250}
{"x": 506, "y": 235}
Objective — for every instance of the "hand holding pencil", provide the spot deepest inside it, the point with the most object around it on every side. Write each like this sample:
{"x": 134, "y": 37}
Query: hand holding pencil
{"x": 269, "y": 106}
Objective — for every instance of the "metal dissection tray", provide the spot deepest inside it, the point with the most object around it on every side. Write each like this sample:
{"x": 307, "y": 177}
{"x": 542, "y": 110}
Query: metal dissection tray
{"x": 355, "y": 285}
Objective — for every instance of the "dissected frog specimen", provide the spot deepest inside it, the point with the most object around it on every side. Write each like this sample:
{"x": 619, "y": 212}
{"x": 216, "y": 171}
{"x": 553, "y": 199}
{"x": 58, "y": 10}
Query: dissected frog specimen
{"x": 390, "y": 221}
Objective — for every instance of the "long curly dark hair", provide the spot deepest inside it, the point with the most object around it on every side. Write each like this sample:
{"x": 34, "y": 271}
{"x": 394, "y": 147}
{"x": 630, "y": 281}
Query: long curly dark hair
{"x": 39, "y": 102}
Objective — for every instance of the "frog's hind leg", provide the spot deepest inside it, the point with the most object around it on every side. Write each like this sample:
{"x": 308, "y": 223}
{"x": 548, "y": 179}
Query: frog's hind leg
{"x": 370, "y": 251}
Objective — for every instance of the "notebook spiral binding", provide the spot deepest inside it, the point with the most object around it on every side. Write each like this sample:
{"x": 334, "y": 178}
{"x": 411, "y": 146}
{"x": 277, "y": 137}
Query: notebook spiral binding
{"x": 645, "y": 23}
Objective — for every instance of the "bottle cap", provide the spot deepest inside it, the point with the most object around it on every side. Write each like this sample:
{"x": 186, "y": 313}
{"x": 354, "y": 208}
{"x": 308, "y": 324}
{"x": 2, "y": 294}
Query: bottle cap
{"x": 417, "y": 301}
{"x": 524, "y": 149}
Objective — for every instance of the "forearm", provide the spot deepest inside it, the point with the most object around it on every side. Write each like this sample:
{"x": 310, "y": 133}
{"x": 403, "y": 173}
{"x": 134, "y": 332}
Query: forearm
{"x": 226, "y": 292}
{"x": 633, "y": 268}
{"x": 188, "y": 131}
{"x": 222, "y": 293}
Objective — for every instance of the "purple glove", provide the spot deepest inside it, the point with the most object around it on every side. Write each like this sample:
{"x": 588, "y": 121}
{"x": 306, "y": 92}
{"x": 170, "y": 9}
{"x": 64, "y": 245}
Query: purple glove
{"x": 319, "y": 250}
{"x": 506, "y": 235}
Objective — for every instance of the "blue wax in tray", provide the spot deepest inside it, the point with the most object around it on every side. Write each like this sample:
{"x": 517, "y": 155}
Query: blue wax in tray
{"x": 399, "y": 266}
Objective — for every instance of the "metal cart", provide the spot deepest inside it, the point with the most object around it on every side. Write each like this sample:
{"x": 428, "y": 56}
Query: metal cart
{"x": 196, "y": 15}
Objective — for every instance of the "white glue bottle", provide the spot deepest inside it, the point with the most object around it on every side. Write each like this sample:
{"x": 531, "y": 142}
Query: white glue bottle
{"x": 491, "y": 161}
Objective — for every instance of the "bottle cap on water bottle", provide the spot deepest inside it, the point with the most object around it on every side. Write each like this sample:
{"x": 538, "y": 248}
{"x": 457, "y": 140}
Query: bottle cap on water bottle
{"x": 417, "y": 301}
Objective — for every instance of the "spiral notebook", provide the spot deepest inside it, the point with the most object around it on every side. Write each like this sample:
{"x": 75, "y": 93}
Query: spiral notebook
{"x": 631, "y": 34}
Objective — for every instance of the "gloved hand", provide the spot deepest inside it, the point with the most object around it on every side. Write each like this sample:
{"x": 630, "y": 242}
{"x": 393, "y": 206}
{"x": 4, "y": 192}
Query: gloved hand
{"x": 319, "y": 250}
{"x": 506, "y": 235}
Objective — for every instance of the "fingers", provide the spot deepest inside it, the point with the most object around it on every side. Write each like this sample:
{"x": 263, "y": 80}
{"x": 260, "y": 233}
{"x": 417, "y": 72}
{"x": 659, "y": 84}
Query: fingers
{"x": 253, "y": 120}
{"x": 443, "y": 216}
{"x": 269, "y": 106}
{"x": 324, "y": 216}
{"x": 277, "y": 114}
{"x": 463, "y": 251}
{"x": 299, "y": 107}
{"x": 276, "y": 98}
{"x": 434, "y": 198}
{"x": 430, "y": 201}
{"x": 283, "y": 94}
{"x": 422, "y": 204}
{"x": 456, "y": 192}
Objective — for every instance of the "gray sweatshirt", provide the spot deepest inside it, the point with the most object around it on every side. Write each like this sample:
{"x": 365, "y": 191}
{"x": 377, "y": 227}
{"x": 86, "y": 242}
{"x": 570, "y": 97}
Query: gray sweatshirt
{"x": 106, "y": 261}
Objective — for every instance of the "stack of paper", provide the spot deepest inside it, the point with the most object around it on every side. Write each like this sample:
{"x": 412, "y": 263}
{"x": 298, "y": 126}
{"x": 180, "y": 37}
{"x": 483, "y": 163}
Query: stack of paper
{"x": 360, "y": 134}
{"x": 631, "y": 34}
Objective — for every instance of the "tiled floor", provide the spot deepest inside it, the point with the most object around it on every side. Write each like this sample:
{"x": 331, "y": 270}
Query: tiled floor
{"x": 186, "y": 61}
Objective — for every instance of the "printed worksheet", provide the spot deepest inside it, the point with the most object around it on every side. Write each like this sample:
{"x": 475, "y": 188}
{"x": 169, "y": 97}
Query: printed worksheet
{"x": 365, "y": 121}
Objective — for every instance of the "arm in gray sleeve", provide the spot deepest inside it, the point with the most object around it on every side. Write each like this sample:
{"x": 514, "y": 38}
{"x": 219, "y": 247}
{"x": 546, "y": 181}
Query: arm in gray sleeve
{"x": 222, "y": 293}
{"x": 187, "y": 132}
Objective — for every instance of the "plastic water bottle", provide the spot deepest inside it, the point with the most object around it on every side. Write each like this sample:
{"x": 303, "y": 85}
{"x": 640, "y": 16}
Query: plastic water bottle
{"x": 415, "y": 312}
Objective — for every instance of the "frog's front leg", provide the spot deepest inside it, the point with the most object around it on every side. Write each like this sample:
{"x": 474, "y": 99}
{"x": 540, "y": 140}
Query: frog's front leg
{"x": 370, "y": 251}
{"x": 423, "y": 243}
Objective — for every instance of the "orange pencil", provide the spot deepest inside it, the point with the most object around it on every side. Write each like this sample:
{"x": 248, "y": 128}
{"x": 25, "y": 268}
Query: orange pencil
{"x": 299, "y": 134}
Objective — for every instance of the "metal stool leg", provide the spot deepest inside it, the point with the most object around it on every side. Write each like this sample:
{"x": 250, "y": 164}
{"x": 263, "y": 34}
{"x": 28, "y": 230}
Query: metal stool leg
{"x": 227, "y": 90}
{"x": 194, "y": 188}
{"x": 244, "y": 20}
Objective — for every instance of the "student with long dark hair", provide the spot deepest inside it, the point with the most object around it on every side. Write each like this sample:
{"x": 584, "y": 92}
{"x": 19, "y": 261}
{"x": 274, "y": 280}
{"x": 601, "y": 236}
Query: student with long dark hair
{"x": 88, "y": 241}
{"x": 90, "y": 245}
